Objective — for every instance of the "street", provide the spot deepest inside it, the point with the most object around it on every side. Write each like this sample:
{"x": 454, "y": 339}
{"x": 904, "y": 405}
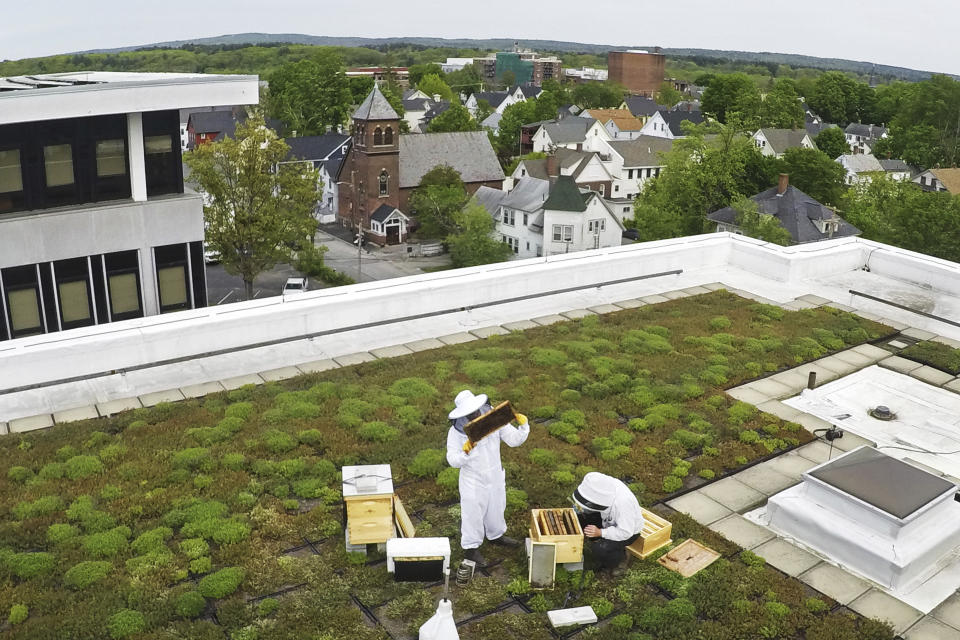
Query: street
{"x": 375, "y": 263}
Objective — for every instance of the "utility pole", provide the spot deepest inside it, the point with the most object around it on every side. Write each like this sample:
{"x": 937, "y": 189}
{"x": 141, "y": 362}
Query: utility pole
{"x": 359, "y": 251}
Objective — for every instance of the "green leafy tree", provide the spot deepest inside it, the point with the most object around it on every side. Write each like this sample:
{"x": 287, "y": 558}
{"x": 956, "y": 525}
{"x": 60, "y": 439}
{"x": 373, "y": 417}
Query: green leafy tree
{"x": 360, "y": 87}
{"x": 484, "y": 110}
{"x": 759, "y": 225}
{"x": 466, "y": 81}
{"x": 833, "y": 142}
{"x": 836, "y": 98}
{"x": 393, "y": 97}
{"x": 598, "y": 95}
{"x": 432, "y": 85}
{"x": 508, "y": 79}
{"x": 903, "y": 215}
{"x": 733, "y": 93}
{"x": 815, "y": 173}
{"x": 700, "y": 176}
{"x": 559, "y": 92}
{"x": 456, "y": 118}
{"x": 473, "y": 243}
{"x": 418, "y": 71}
{"x": 781, "y": 107}
{"x": 546, "y": 107}
{"x": 926, "y": 128}
{"x": 255, "y": 208}
{"x": 310, "y": 94}
{"x": 508, "y": 135}
{"x": 438, "y": 200}
{"x": 668, "y": 94}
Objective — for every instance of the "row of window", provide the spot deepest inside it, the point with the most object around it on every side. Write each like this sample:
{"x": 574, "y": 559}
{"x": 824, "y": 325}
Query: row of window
{"x": 67, "y": 162}
{"x": 640, "y": 173}
{"x": 509, "y": 218}
{"x": 381, "y": 137}
{"x": 78, "y": 292}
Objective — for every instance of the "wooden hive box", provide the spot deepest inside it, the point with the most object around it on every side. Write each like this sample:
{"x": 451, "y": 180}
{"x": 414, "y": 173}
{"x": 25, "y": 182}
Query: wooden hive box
{"x": 655, "y": 535}
{"x": 569, "y": 546}
{"x": 370, "y": 519}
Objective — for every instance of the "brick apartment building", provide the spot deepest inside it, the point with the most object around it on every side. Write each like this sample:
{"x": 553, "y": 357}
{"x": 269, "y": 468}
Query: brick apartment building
{"x": 641, "y": 72}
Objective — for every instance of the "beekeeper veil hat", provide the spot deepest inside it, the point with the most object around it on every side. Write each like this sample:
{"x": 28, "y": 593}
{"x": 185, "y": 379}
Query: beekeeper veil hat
{"x": 467, "y": 403}
{"x": 595, "y": 492}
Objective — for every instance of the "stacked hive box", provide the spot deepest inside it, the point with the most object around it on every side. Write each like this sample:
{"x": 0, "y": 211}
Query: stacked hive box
{"x": 561, "y": 527}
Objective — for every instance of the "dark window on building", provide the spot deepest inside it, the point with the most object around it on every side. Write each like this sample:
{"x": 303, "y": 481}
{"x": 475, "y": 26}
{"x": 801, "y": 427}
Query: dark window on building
{"x": 199, "y": 278}
{"x": 11, "y": 180}
{"x": 388, "y": 136}
{"x": 377, "y": 136}
{"x": 123, "y": 285}
{"x": 112, "y": 180}
{"x": 161, "y": 147}
{"x": 74, "y": 297}
{"x": 384, "y": 182}
{"x": 59, "y": 178}
{"x": 21, "y": 286}
{"x": 173, "y": 282}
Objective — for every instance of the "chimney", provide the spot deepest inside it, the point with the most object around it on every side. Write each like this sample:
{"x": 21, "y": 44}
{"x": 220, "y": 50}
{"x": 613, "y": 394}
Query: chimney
{"x": 783, "y": 184}
{"x": 552, "y": 165}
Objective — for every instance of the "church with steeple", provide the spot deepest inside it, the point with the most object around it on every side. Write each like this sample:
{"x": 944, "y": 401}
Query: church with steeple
{"x": 382, "y": 168}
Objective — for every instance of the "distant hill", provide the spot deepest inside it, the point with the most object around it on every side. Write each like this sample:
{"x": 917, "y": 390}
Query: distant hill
{"x": 765, "y": 58}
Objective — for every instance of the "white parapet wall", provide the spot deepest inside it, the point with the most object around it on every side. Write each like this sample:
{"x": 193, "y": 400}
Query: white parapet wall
{"x": 148, "y": 344}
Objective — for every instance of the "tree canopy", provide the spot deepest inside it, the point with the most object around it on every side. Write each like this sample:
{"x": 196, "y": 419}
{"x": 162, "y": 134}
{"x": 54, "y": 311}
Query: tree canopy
{"x": 456, "y": 118}
{"x": 598, "y": 95}
{"x": 758, "y": 225}
{"x": 440, "y": 196}
{"x": 466, "y": 81}
{"x": 309, "y": 95}
{"x": 925, "y": 130}
{"x": 433, "y": 85}
{"x": 255, "y": 207}
{"x": 732, "y": 93}
{"x": 781, "y": 107}
{"x": 833, "y": 142}
{"x": 814, "y": 173}
{"x": 473, "y": 242}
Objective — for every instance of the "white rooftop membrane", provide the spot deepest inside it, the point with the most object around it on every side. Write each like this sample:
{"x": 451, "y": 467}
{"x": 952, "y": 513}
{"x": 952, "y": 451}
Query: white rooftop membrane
{"x": 927, "y": 424}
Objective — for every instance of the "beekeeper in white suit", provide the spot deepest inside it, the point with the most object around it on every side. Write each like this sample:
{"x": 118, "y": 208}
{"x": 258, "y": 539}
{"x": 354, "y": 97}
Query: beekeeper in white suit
{"x": 483, "y": 491}
{"x": 610, "y": 516}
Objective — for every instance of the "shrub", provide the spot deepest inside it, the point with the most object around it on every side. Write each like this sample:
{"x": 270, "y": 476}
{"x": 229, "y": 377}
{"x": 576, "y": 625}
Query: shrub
{"x": 59, "y": 533}
{"x": 408, "y": 416}
{"x": 741, "y": 412}
{"x": 427, "y": 462}
{"x": 125, "y": 623}
{"x": 815, "y": 605}
{"x": 110, "y": 492}
{"x": 190, "y": 604}
{"x": 31, "y": 565}
{"x": 19, "y": 474}
{"x": 222, "y": 583}
{"x": 690, "y": 440}
{"x": 570, "y": 396}
{"x": 291, "y": 504}
{"x": 638, "y": 424}
{"x": 563, "y": 477}
{"x": 310, "y": 437}
{"x": 749, "y": 437}
{"x": 543, "y": 458}
{"x": 152, "y": 540}
{"x": 83, "y": 467}
{"x": 602, "y": 607}
{"x": 201, "y": 565}
{"x": 51, "y": 471}
{"x": 193, "y": 458}
{"x": 707, "y": 474}
{"x": 107, "y": 543}
{"x": 805, "y": 349}
{"x": 277, "y": 441}
{"x": 484, "y": 373}
{"x": 241, "y": 410}
{"x": 377, "y": 432}
{"x": 18, "y": 613}
{"x": 412, "y": 388}
{"x": 267, "y": 606}
{"x": 563, "y": 430}
{"x": 80, "y": 576}
{"x": 112, "y": 453}
{"x": 449, "y": 478}
{"x": 194, "y": 547}
{"x": 638, "y": 341}
{"x": 719, "y": 323}
{"x": 40, "y": 507}
{"x": 622, "y": 622}
{"x": 292, "y": 468}
{"x": 354, "y": 411}
{"x": 234, "y": 461}
{"x": 935, "y": 354}
{"x": 547, "y": 357}
{"x": 828, "y": 339}
{"x": 671, "y": 484}
{"x": 516, "y": 499}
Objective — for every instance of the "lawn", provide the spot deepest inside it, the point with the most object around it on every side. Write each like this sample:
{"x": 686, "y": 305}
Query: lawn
{"x": 221, "y": 517}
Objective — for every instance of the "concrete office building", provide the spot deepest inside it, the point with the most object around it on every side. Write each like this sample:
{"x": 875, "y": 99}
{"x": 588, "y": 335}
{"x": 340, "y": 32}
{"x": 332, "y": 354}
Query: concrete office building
{"x": 641, "y": 72}
{"x": 95, "y": 224}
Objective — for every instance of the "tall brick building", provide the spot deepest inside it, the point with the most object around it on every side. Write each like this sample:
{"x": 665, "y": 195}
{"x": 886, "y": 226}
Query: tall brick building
{"x": 641, "y": 72}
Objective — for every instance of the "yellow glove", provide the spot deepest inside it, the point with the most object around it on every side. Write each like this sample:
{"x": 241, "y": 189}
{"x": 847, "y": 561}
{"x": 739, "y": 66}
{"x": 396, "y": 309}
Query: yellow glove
{"x": 521, "y": 419}
{"x": 468, "y": 446}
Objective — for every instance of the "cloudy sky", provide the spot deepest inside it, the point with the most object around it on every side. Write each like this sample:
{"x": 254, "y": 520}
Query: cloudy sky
{"x": 920, "y": 34}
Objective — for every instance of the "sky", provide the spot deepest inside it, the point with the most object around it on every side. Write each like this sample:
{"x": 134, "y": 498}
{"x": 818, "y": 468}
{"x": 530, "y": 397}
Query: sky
{"x": 920, "y": 34}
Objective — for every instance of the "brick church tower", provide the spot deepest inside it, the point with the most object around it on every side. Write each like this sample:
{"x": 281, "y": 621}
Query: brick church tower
{"x": 370, "y": 177}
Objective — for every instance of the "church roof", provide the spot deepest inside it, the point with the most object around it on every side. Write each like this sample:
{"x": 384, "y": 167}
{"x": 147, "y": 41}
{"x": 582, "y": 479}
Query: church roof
{"x": 375, "y": 107}
{"x": 469, "y": 152}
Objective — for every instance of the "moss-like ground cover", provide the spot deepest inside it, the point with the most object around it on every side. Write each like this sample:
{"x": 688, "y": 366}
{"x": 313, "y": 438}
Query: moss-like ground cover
{"x": 937, "y": 355}
{"x": 177, "y": 522}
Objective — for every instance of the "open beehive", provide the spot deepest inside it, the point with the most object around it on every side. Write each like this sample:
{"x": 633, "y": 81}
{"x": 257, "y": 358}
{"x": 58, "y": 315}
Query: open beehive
{"x": 655, "y": 535}
{"x": 561, "y": 527}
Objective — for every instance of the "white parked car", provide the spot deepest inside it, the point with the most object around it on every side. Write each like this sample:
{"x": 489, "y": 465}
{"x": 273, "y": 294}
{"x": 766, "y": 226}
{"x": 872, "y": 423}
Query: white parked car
{"x": 295, "y": 285}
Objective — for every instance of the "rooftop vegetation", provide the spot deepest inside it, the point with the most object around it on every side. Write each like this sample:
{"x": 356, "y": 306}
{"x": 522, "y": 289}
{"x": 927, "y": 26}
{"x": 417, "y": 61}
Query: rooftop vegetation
{"x": 221, "y": 517}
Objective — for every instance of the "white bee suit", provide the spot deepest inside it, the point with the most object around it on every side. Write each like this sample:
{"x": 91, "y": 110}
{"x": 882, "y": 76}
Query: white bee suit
{"x": 483, "y": 490}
